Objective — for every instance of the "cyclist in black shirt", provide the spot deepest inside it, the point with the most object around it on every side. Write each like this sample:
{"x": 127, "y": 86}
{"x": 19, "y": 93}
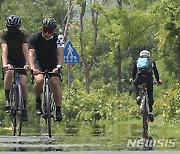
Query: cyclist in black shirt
{"x": 46, "y": 52}
{"x": 140, "y": 77}
{"x": 14, "y": 46}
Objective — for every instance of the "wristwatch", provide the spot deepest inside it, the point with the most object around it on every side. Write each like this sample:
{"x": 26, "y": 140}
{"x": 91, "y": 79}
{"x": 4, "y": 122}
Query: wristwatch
{"x": 59, "y": 66}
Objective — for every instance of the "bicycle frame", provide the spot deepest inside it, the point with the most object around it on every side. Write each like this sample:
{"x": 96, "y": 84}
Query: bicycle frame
{"x": 47, "y": 93}
{"x": 48, "y": 105}
{"x": 16, "y": 101}
{"x": 144, "y": 108}
{"x": 47, "y": 102}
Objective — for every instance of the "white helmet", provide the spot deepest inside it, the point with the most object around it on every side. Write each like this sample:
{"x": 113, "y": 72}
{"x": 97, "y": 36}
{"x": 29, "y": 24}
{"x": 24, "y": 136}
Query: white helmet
{"x": 145, "y": 53}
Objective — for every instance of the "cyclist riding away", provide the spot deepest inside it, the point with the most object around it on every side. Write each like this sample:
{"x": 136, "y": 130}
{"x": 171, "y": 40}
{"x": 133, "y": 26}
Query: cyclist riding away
{"x": 14, "y": 46}
{"x": 46, "y": 52}
{"x": 143, "y": 73}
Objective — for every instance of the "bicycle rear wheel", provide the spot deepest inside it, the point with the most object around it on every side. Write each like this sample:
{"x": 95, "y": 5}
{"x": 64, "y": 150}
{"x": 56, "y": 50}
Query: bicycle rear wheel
{"x": 145, "y": 118}
{"x": 48, "y": 110}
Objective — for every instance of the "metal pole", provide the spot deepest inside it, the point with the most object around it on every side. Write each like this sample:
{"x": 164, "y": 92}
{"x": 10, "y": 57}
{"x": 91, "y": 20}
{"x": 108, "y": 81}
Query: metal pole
{"x": 69, "y": 75}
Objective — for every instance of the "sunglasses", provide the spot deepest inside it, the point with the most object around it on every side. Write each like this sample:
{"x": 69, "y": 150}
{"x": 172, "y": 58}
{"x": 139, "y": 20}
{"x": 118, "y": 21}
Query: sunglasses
{"x": 47, "y": 30}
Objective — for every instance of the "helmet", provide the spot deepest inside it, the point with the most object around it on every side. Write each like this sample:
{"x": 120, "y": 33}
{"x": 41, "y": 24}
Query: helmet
{"x": 13, "y": 21}
{"x": 145, "y": 53}
{"x": 49, "y": 23}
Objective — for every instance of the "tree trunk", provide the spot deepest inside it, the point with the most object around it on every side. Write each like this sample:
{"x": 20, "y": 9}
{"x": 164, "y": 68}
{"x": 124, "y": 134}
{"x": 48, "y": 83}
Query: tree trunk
{"x": 119, "y": 71}
{"x": 119, "y": 2}
{"x": 85, "y": 63}
{"x": 178, "y": 60}
{"x": 86, "y": 70}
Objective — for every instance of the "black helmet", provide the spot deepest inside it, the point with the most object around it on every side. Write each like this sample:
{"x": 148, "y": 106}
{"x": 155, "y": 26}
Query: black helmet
{"x": 49, "y": 23}
{"x": 13, "y": 21}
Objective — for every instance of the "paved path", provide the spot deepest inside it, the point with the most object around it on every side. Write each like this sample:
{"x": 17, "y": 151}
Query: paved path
{"x": 18, "y": 145}
{"x": 97, "y": 152}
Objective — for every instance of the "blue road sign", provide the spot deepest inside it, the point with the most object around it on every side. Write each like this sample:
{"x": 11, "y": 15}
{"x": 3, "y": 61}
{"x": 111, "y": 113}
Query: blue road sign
{"x": 70, "y": 54}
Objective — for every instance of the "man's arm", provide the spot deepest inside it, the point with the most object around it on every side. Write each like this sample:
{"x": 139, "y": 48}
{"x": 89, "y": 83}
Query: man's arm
{"x": 25, "y": 51}
{"x": 134, "y": 71}
{"x": 60, "y": 54}
{"x": 4, "y": 54}
{"x": 60, "y": 49}
{"x": 156, "y": 73}
{"x": 31, "y": 58}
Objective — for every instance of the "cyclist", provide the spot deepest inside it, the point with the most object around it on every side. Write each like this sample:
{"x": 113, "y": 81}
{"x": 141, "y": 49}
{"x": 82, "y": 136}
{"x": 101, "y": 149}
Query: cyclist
{"x": 14, "y": 46}
{"x": 46, "y": 52}
{"x": 145, "y": 76}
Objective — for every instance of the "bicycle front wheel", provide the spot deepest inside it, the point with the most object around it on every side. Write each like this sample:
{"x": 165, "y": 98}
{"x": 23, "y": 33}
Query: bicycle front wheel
{"x": 48, "y": 110}
{"x": 13, "y": 111}
{"x": 19, "y": 110}
{"x": 13, "y": 125}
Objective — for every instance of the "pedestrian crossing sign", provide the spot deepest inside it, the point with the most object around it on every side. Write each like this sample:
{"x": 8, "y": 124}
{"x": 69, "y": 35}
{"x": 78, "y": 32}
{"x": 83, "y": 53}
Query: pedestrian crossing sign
{"x": 70, "y": 54}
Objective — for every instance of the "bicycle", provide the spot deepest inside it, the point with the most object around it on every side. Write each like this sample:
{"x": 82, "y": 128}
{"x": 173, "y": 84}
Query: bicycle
{"x": 16, "y": 102}
{"x": 144, "y": 108}
{"x": 48, "y": 104}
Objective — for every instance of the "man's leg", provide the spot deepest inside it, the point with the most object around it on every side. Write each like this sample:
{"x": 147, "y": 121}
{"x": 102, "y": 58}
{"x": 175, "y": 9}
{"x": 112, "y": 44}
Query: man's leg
{"x": 136, "y": 88}
{"x": 57, "y": 93}
{"x": 23, "y": 82}
{"x": 7, "y": 86}
{"x": 151, "y": 99}
{"x": 38, "y": 88}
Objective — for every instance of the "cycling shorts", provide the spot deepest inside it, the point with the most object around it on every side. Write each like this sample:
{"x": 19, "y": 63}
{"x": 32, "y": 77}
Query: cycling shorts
{"x": 46, "y": 67}
{"x": 18, "y": 63}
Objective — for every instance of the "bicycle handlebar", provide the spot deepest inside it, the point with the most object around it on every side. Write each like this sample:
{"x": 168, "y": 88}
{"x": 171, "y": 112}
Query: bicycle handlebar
{"x": 16, "y": 68}
{"x": 45, "y": 72}
{"x": 13, "y": 69}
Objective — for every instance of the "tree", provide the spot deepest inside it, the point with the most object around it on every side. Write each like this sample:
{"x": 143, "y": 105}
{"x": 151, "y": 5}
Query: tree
{"x": 168, "y": 16}
{"x": 127, "y": 28}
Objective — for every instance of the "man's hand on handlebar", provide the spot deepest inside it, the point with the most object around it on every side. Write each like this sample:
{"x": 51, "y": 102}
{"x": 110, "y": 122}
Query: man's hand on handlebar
{"x": 27, "y": 67}
{"x": 7, "y": 66}
{"x": 35, "y": 71}
{"x": 57, "y": 69}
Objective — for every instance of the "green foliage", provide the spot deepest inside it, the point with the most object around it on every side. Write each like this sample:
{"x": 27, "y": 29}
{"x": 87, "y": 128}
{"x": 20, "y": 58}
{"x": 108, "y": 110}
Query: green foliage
{"x": 137, "y": 24}
{"x": 98, "y": 106}
{"x": 168, "y": 105}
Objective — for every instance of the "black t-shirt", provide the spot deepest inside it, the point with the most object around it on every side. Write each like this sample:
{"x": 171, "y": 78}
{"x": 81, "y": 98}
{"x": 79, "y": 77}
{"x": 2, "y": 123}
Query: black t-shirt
{"x": 14, "y": 42}
{"x": 46, "y": 50}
